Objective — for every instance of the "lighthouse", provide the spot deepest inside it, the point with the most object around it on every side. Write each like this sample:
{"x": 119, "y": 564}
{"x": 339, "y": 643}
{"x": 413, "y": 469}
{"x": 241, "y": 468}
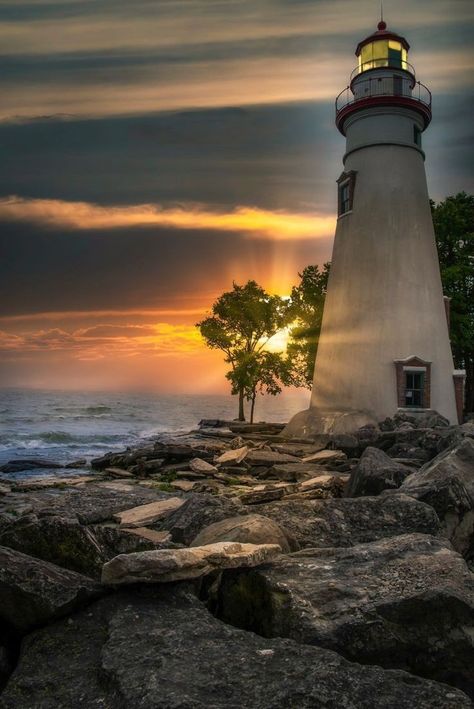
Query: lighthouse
{"x": 384, "y": 345}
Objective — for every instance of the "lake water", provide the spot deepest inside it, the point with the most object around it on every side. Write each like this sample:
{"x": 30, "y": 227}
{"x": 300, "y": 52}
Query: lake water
{"x": 64, "y": 426}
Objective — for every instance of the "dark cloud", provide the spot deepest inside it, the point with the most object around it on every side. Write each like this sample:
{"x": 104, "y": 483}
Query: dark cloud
{"x": 49, "y": 270}
{"x": 281, "y": 156}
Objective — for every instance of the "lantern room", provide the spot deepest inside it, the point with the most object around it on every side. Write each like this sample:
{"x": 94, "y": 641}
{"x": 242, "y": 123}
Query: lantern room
{"x": 383, "y": 49}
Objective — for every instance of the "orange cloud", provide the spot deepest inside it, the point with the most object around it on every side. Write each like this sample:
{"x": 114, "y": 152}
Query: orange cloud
{"x": 253, "y": 221}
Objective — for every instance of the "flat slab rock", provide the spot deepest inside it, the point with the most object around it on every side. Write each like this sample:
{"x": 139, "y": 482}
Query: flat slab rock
{"x": 160, "y": 648}
{"x": 166, "y": 565}
{"x": 405, "y": 602}
{"x": 143, "y": 515}
{"x": 33, "y": 592}
{"x": 345, "y": 522}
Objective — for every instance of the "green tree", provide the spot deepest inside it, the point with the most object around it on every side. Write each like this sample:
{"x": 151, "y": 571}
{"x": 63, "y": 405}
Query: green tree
{"x": 242, "y": 322}
{"x": 307, "y": 303}
{"x": 453, "y": 221}
{"x": 263, "y": 372}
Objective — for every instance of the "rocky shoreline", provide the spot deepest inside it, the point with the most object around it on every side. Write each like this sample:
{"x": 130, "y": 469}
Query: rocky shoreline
{"x": 234, "y": 567}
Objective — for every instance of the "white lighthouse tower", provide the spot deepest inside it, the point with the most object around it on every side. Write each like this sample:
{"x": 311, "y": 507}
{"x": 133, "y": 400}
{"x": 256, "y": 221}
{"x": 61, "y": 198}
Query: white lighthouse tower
{"x": 384, "y": 343}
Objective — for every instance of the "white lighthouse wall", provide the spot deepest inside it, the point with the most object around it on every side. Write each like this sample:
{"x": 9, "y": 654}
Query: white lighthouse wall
{"x": 385, "y": 299}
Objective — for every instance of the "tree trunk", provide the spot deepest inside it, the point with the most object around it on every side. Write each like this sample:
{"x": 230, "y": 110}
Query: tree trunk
{"x": 241, "y": 405}
{"x": 252, "y": 408}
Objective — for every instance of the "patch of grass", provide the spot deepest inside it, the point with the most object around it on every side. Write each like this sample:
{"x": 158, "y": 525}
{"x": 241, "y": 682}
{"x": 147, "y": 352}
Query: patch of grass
{"x": 164, "y": 487}
{"x": 168, "y": 477}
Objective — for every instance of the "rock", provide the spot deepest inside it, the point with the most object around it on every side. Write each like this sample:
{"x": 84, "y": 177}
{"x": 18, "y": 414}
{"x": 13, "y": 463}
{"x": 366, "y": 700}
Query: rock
{"x": 431, "y": 419}
{"x": 325, "y": 456}
{"x": 33, "y": 592}
{"x": 348, "y": 521}
{"x": 147, "y": 514}
{"x": 447, "y": 484}
{"x": 181, "y": 452}
{"x": 55, "y": 539}
{"x": 321, "y": 487}
{"x": 257, "y": 497}
{"x": 405, "y": 602}
{"x": 248, "y": 529}
{"x": 166, "y": 565}
{"x": 80, "y": 463}
{"x": 233, "y": 456}
{"x": 150, "y": 534}
{"x": 293, "y": 472}
{"x": 155, "y": 648}
{"x": 4, "y": 489}
{"x": 374, "y": 473}
{"x": 118, "y": 473}
{"x": 20, "y": 464}
{"x": 94, "y": 502}
{"x": 197, "y": 512}
{"x": 43, "y": 483}
{"x": 258, "y": 457}
{"x": 184, "y": 485}
{"x": 65, "y": 542}
{"x": 197, "y": 465}
{"x": 346, "y": 443}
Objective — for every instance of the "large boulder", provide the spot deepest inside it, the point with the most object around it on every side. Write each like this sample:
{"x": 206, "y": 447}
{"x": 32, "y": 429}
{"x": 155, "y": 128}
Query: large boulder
{"x": 166, "y": 565}
{"x": 157, "y": 648}
{"x": 33, "y": 592}
{"x": 405, "y": 602}
{"x": 447, "y": 484}
{"x": 345, "y": 522}
{"x": 197, "y": 512}
{"x": 374, "y": 473}
{"x": 248, "y": 529}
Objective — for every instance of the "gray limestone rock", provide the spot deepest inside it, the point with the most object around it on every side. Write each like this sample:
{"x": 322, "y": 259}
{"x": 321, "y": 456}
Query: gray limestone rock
{"x": 161, "y": 649}
{"x": 374, "y": 473}
{"x": 345, "y": 522}
{"x": 447, "y": 484}
{"x": 199, "y": 511}
{"x": 404, "y": 602}
{"x": 34, "y": 592}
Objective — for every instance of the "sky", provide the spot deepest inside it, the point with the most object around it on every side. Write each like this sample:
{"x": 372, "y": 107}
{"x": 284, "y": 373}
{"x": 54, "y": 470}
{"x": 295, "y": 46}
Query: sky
{"x": 155, "y": 151}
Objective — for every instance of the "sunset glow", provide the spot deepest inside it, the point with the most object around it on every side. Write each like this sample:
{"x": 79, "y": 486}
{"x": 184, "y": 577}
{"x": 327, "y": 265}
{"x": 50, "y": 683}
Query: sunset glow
{"x": 152, "y": 156}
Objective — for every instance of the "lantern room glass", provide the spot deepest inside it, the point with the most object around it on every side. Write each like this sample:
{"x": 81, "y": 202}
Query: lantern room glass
{"x": 382, "y": 53}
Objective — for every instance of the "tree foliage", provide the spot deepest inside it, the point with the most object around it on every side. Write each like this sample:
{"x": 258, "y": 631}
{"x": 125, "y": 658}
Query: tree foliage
{"x": 453, "y": 221}
{"x": 307, "y": 304}
{"x": 242, "y": 322}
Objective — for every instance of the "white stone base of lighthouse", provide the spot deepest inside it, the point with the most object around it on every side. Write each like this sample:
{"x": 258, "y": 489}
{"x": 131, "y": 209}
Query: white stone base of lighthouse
{"x": 384, "y": 305}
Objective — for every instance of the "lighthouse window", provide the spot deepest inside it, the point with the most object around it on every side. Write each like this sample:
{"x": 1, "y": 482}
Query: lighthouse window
{"x": 414, "y": 390}
{"x": 394, "y": 54}
{"x": 345, "y": 193}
